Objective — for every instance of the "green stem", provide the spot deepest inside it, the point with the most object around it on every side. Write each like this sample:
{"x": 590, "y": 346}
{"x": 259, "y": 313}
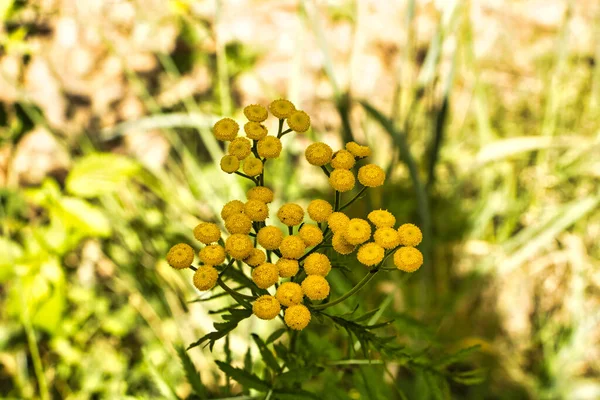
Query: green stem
{"x": 324, "y": 168}
{"x": 352, "y": 291}
{"x": 280, "y": 128}
{"x": 290, "y": 230}
{"x": 315, "y": 248}
{"x": 279, "y": 135}
{"x": 193, "y": 268}
{"x": 337, "y": 201}
{"x": 246, "y": 176}
{"x": 354, "y": 198}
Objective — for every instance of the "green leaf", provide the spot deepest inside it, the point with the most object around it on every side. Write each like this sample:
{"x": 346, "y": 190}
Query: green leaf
{"x": 457, "y": 356}
{"x": 10, "y": 252}
{"x": 191, "y": 374}
{"x": 267, "y": 355}
{"x": 82, "y": 215}
{"x": 101, "y": 173}
{"x": 223, "y": 328}
{"x": 275, "y": 335}
{"x": 295, "y": 394}
{"x": 298, "y": 375}
{"x": 244, "y": 378}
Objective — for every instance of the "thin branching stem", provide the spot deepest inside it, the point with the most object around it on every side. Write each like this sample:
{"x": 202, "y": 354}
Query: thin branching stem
{"x": 353, "y": 199}
{"x": 337, "y": 201}
{"x": 245, "y": 176}
{"x": 324, "y": 168}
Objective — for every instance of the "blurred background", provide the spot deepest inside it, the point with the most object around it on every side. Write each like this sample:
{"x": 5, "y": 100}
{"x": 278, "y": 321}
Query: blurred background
{"x": 484, "y": 113}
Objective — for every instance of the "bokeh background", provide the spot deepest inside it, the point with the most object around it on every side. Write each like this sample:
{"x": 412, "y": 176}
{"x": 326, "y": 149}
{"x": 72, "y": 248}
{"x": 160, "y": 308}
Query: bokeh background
{"x": 490, "y": 137}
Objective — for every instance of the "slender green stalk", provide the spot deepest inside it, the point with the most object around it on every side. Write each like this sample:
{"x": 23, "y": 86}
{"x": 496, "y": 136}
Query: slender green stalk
{"x": 354, "y": 198}
{"x": 326, "y": 239}
{"x": 324, "y": 168}
{"x": 280, "y": 134}
{"x": 245, "y": 176}
{"x": 337, "y": 201}
{"x": 290, "y": 230}
{"x": 351, "y": 292}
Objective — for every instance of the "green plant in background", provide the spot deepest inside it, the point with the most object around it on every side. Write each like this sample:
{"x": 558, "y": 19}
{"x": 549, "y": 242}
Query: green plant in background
{"x": 303, "y": 259}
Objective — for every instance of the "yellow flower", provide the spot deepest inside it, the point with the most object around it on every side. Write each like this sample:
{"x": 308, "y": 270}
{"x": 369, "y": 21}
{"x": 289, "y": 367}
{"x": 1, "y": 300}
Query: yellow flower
{"x": 238, "y": 223}
{"x": 240, "y": 147}
{"x": 292, "y": 247}
{"x": 318, "y": 154}
{"x": 261, "y": 193}
{"x": 252, "y": 166}
{"x": 281, "y": 108}
{"x": 358, "y": 231}
{"x": 317, "y": 264}
{"x": 255, "y": 258}
{"x": 311, "y": 235}
{"x": 231, "y": 208}
{"x": 387, "y": 238}
{"x": 342, "y": 180}
{"x": 315, "y": 287}
{"x": 226, "y": 129}
{"x": 290, "y": 214}
{"x": 343, "y": 159}
{"x": 297, "y": 317}
{"x": 287, "y": 268}
{"x": 238, "y": 246}
{"x": 408, "y": 259}
{"x": 289, "y": 294}
{"x": 370, "y": 254}
{"x": 255, "y": 131}
{"x": 212, "y": 254}
{"x": 256, "y": 113}
{"x": 382, "y": 218}
{"x": 319, "y": 210}
{"x": 205, "y": 277}
{"x": 371, "y": 175}
{"x": 410, "y": 235}
{"x": 230, "y": 164}
{"x": 357, "y": 150}
{"x": 265, "y": 275}
{"x": 340, "y": 244}
{"x": 270, "y": 237}
{"x": 207, "y": 232}
{"x": 298, "y": 121}
{"x": 256, "y": 210}
{"x": 338, "y": 221}
{"x": 180, "y": 256}
{"x": 269, "y": 147}
{"x": 266, "y": 307}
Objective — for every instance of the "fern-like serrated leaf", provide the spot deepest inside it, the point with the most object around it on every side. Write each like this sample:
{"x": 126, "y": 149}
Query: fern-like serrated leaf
{"x": 193, "y": 376}
{"x": 266, "y": 354}
{"x": 244, "y": 378}
{"x": 223, "y": 328}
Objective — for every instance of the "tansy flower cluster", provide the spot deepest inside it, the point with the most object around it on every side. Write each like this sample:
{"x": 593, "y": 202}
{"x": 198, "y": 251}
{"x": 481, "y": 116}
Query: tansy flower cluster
{"x": 286, "y": 251}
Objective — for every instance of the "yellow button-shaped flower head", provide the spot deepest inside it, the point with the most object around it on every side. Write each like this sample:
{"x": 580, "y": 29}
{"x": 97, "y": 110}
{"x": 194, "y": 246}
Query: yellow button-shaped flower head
{"x": 180, "y": 256}
{"x": 410, "y": 235}
{"x": 370, "y": 254}
{"x": 319, "y": 210}
{"x": 382, "y": 218}
{"x": 387, "y": 238}
{"x": 338, "y": 221}
{"x": 281, "y": 108}
{"x": 269, "y": 147}
{"x": 256, "y": 210}
{"x": 231, "y": 208}
{"x": 238, "y": 246}
{"x": 408, "y": 259}
{"x": 311, "y": 235}
{"x": 343, "y": 159}
{"x": 318, "y": 154}
{"x": 287, "y": 267}
{"x": 265, "y": 275}
{"x": 256, "y": 113}
{"x": 371, "y": 175}
{"x": 290, "y": 214}
{"x": 342, "y": 180}
{"x": 292, "y": 247}
{"x": 255, "y": 131}
{"x": 256, "y": 257}
{"x": 315, "y": 287}
{"x": 298, "y": 121}
{"x": 289, "y": 294}
{"x": 340, "y": 244}
{"x": 270, "y": 237}
{"x": 238, "y": 223}
{"x": 230, "y": 164}
{"x": 207, "y": 232}
{"x": 358, "y": 231}
{"x": 357, "y": 150}
{"x": 226, "y": 129}
{"x": 240, "y": 147}
{"x": 212, "y": 254}
{"x": 317, "y": 264}
{"x": 252, "y": 166}
{"x": 261, "y": 193}
{"x": 205, "y": 277}
{"x": 297, "y": 317}
{"x": 266, "y": 307}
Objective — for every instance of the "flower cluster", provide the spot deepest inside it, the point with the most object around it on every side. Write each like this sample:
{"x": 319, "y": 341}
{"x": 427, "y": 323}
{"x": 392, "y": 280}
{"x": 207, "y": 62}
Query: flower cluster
{"x": 288, "y": 258}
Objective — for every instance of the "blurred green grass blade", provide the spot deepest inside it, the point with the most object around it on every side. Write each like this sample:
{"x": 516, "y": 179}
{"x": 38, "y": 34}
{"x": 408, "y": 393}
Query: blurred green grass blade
{"x": 192, "y": 375}
{"x": 165, "y": 389}
{"x": 502, "y": 149}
